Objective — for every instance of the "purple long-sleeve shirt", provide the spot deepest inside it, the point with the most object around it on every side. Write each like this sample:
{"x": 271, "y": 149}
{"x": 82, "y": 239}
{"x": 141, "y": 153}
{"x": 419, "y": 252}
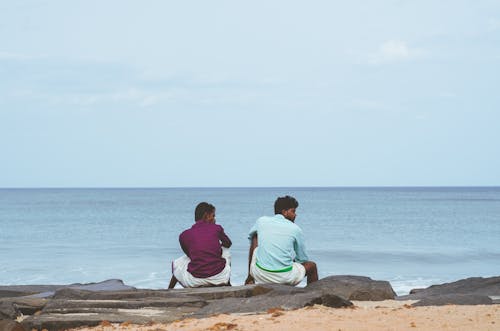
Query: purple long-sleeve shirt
{"x": 202, "y": 244}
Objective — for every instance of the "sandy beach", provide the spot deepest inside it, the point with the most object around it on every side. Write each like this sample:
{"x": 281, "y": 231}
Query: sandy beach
{"x": 365, "y": 316}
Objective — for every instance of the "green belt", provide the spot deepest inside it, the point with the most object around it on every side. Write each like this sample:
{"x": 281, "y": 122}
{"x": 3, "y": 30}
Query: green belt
{"x": 281, "y": 270}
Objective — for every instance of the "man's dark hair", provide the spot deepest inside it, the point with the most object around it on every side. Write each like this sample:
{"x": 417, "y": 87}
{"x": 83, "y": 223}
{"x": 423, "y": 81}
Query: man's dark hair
{"x": 201, "y": 209}
{"x": 284, "y": 203}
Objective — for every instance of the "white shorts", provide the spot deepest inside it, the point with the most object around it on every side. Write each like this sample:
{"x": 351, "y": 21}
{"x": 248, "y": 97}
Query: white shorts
{"x": 180, "y": 266}
{"x": 292, "y": 277}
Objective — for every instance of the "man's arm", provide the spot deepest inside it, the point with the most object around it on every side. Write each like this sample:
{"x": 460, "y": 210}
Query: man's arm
{"x": 254, "y": 243}
{"x": 224, "y": 239}
{"x": 183, "y": 245}
{"x": 301, "y": 257}
{"x": 252, "y": 236}
{"x": 299, "y": 247}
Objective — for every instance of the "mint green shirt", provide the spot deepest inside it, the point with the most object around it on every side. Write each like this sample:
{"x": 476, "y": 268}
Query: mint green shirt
{"x": 280, "y": 242}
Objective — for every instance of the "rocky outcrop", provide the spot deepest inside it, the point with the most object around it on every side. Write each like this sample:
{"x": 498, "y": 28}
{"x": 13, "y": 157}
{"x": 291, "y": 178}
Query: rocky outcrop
{"x": 11, "y": 291}
{"x": 63, "y": 307}
{"x": 93, "y": 317}
{"x": 470, "y": 291}
{"x": 207, "y": 293}
{"x": 454, "y": 299}
{"x": 276, "y": 298}
{"x": 355, "y": 288}
{"x": 17, "y": 306}
{"x": 8, "y": 310}
{"x": 476, "y": 285}
{"x": 45, "y": 291}
{"x": 90, "y": 304}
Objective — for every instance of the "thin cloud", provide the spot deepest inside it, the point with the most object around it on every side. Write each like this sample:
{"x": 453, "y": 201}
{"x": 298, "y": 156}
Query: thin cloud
{"x": 395, "y": 51}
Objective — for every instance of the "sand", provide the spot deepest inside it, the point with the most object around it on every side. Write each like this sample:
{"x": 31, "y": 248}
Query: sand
{"x": 369, "y": 316}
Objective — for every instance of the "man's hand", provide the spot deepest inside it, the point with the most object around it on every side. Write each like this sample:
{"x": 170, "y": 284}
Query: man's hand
{"x": 249, "y": 280}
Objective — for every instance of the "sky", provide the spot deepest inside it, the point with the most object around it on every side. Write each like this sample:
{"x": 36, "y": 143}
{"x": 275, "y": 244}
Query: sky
{"x": 259, "y": 93}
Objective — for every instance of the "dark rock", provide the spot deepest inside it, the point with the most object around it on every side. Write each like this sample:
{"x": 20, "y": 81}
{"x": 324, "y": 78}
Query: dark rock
{"x": 77, "y": 294}
{"x": 45, "y": 291}
{"x": 277, "y": 289}
{"x": 454, "y": 299}
{"x": 416, "y": 290}
{"x": 74, "y": 306}
{"x": 9, "y": 325}
{"x": 331, "y": 301}
{"x": 74, "y": 294}
{"x": 207, "y": 293}
{"x": 354, "y": 288}
{"x": 215, "y": 293}
{"x": 476, "y": 285}
{"x": 90, "y": 304}
{"x": 107, "y": 285}
{"x": 8, "y": 310}
{"x": 262, "y": 303}
{"x": 11, "y": 291}
{"x": 13, "y": 294}
{"x": 29, "y": 306}
{"x": 137, "y": 316}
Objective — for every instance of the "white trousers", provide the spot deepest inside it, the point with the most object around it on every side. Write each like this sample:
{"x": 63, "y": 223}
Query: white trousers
{"x": 292, "y": 277}
{"x": 180, "y": 266}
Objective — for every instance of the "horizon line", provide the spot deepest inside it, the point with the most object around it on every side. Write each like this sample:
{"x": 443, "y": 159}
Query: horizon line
{"x": 242, "y": 187}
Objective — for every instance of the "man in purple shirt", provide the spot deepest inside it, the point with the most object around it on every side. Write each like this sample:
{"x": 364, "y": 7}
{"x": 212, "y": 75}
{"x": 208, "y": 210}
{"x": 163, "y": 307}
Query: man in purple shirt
{"x": 207, "y": 261}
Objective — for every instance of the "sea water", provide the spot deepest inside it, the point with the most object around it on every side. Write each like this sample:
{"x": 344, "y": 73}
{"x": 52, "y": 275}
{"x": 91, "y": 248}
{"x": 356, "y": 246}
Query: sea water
{"x": 412, "y": 237}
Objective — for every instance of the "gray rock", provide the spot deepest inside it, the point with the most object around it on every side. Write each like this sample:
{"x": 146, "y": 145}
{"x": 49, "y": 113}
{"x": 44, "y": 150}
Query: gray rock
{"x": 8, "y": 310}
{"x": 9, "y": 325}
{"x": 77, "y": 294}
{"x": 476, "y": 285}
{"x": 277, "y": 289}
{"x": 63, "y": 306}
{"x": 207, "y": 293}
{"x": 11, "y": 291}
{"x": 73, "y": 307}
{"x": 416, "y": 290}
{"x": 262, "y": 303}
{"x": 13, "y": 294}
{"x": 57, "y": 321}
{"x": 24, "y": 305}
{"x": 330, "y": 300}
{"x": 107, "y": 285}
{"x": 354, "y": 288}
{"x": 215, "y": 293}
{"x": 454, "y": 299}
{"x": 45, "y": 291}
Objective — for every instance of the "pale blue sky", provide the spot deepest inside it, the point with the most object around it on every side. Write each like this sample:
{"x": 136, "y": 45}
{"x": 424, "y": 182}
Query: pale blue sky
{"x": 262, "y": 93}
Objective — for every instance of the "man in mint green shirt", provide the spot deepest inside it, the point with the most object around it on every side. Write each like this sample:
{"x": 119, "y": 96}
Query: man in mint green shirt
{"x": 277, "y": 252}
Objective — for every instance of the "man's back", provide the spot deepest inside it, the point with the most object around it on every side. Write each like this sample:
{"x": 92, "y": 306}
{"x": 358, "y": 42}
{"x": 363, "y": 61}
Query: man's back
{"x": 280, "y": 242}
{"x": 201, "y": 243}
{"x": 277, "y": 253}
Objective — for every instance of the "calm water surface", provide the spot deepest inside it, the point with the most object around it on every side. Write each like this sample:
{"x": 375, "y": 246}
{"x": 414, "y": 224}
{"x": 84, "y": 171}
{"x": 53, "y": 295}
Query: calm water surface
{"x": 412, "y": 237}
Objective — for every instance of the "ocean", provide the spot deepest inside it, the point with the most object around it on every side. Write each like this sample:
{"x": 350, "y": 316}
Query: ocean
{"x": 411, "y": 237}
